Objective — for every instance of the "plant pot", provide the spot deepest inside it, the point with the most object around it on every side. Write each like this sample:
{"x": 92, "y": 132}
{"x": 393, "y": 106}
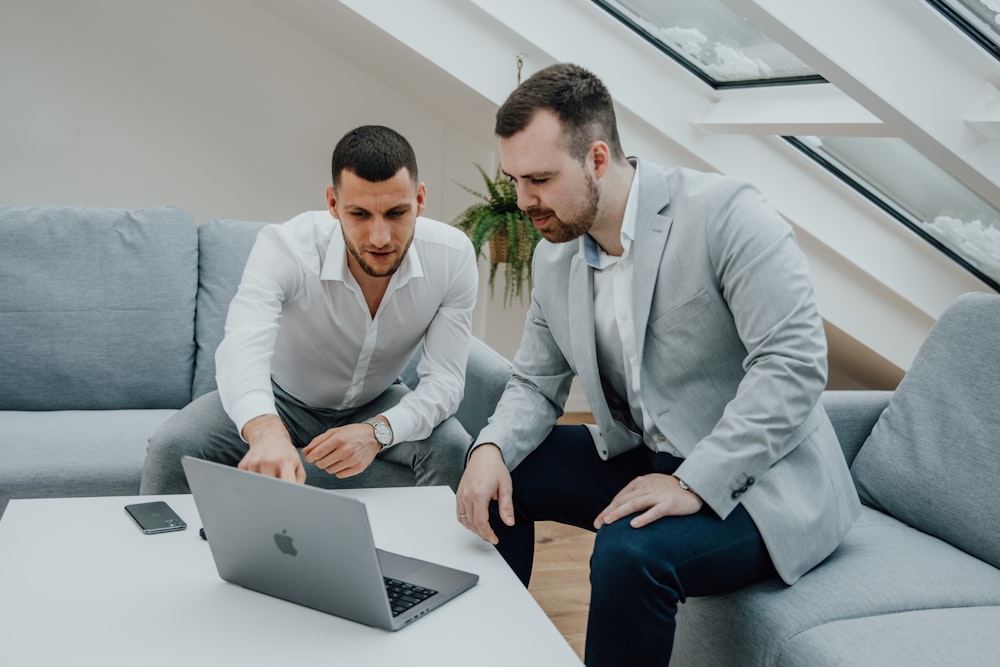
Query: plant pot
{"x": 498, "y": 247}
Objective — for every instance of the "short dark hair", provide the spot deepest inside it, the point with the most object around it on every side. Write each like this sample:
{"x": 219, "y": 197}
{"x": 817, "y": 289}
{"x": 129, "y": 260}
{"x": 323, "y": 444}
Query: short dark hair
{"x": 580, "y": 100}
{"x": 374, "y": 153}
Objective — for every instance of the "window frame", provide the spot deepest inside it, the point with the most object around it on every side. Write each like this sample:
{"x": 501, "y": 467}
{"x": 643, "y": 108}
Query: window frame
{"x": 697, "y": 71}
{"x": 885, "y": 203}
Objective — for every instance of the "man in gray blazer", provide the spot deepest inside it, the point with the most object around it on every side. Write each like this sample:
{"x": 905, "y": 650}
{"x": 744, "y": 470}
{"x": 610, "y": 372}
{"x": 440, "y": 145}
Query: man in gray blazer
{"x": 683, "y": 304}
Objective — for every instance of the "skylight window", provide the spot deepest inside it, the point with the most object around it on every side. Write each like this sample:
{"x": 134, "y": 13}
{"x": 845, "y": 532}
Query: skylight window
{"x": 914, "y": 190}
{"x": 980, "y": 19}
{"x": 712, "y": 41}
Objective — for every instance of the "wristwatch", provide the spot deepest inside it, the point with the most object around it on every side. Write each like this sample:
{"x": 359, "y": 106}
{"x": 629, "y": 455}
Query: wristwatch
{"x": 681, "y": 483}
{"x": 383, "y": 432}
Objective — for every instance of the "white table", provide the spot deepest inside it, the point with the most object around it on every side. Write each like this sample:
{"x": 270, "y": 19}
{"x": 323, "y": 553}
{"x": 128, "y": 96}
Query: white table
{"x": 81, "y": 585}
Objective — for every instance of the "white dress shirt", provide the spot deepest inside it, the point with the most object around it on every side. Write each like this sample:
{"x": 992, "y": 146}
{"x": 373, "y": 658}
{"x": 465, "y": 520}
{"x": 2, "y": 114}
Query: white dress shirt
{"x": 614, "y": 325}
{"x": 300, "y": 318}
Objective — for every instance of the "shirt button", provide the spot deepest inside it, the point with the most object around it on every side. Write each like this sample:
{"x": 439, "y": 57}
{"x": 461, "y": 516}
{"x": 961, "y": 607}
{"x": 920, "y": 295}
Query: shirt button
{"x": 660, "y": 437}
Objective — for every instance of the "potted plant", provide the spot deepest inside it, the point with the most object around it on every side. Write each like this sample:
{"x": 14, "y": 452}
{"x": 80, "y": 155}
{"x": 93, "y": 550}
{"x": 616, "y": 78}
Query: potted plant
{"x": 496, "y": 221}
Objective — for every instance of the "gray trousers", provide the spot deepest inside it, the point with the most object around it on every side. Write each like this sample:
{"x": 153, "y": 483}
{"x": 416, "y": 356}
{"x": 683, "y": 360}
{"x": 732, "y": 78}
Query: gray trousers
{"x": 203, "y": 430}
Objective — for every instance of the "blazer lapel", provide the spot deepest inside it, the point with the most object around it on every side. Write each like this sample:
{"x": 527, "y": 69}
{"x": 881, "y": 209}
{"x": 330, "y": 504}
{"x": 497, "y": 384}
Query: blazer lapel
{"x": 651, "y": 231}
{"x": 582, "y": 337}
{"x": 614, "y": 437}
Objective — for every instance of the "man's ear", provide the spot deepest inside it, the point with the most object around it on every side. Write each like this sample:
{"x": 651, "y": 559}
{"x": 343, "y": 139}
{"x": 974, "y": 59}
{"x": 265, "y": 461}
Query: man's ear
{"x": 421, "y": 198}
{"x": 600, "y": 157}
{"x": 331, "y": 202}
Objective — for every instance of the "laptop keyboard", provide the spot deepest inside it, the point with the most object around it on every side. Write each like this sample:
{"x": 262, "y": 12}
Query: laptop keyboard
{"x": 403, "y": 596}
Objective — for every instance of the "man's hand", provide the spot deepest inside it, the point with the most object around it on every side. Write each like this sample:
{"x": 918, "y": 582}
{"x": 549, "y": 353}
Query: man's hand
{"x": 486, "y": 478}
{"x": 271, "y": 450}
{"x": 655, "y": 495}
{"x": 344, "y": 451}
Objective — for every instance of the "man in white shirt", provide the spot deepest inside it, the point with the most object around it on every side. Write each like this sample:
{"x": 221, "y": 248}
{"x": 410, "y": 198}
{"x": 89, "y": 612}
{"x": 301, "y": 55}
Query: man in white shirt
{"x": 331, "y": 308}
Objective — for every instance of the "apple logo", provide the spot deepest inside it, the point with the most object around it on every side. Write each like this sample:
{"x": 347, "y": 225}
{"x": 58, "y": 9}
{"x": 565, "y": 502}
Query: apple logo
{"x": 284, "y": 542}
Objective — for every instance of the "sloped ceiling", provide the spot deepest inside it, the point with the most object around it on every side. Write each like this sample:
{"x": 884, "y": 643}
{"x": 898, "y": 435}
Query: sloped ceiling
{"x": 893, "y": 73}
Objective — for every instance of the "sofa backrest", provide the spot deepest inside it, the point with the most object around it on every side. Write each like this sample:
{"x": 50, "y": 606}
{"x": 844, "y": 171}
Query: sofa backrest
{"x": 96, "y": 308}
{"x": 223, "y": 248}
{"x": 933, "y": 457}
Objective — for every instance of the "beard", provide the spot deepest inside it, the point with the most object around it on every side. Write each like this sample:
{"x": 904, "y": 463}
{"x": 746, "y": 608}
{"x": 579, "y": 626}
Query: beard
{"x": 575, "y": 225}
{"x": 373, "y": 271}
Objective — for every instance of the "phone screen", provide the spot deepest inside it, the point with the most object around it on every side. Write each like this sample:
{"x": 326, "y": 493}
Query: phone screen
{"x": 155, "y": 517}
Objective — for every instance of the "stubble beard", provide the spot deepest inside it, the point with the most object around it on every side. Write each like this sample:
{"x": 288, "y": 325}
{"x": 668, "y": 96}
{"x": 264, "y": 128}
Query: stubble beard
{"x": 371, "y": 270}
{"x": 578, "y": 225}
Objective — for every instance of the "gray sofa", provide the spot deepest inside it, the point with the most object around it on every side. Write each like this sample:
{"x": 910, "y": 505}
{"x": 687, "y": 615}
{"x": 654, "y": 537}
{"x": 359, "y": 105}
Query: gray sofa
{"x": 109, "y": 320}
{"x": 916, "y": 582}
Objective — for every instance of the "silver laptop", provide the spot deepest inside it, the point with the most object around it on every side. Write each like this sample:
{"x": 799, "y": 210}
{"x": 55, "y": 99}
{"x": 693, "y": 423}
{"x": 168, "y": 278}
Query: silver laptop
{"x": 313, "y": 547}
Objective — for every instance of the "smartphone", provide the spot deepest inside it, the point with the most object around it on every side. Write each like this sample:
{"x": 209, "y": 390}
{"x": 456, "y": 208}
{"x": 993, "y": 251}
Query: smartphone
{"x": 155, "y": 517}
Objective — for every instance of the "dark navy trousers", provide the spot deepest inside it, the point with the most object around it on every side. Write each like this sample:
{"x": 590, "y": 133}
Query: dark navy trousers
{"x": 638, "y": 575}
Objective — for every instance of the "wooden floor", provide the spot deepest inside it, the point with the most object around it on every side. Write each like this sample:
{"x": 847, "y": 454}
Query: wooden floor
{"x": 560, "y": 581}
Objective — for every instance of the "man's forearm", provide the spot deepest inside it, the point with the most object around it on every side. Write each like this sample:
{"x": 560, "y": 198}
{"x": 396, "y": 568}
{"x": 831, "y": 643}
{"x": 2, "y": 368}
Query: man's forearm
{"x": 264, "y": 427}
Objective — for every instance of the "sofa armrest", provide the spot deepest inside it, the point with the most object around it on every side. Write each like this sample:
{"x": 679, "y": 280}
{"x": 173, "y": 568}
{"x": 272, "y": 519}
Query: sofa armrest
{"x": 853, "y": 414}
{"x": 486, "y": 376}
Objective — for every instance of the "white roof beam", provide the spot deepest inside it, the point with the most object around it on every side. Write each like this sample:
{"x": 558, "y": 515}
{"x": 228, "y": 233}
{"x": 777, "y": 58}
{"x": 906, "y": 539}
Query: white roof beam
{"x": 808, "y": 109}
{"x": 906, "y": 64}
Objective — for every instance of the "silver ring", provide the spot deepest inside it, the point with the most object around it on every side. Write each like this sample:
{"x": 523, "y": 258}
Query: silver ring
{"x": 463, "y": 516}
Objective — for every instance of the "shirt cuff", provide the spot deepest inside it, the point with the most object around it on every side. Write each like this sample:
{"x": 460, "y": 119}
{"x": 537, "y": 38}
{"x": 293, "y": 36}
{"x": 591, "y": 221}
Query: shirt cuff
{"x": 249, "y": 406}
{"x": 401, "y": 422}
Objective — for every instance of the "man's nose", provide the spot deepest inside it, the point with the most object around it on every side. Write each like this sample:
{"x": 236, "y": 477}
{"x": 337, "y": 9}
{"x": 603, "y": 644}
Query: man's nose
{"x": 526, "y": 198}
{"x": 379, "y": 234}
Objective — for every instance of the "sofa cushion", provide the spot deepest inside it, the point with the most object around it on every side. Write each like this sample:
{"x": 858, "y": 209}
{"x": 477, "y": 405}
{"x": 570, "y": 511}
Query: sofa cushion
{"x": 933, "y": 457}
{"x": 74, "y": 452}
{"x": 223, "y": 246}
{"x": 882, "y": 567}
{"x": 853, "y": 414}
{"x": 96, "y": 308}
{"x": 966, "y": 636}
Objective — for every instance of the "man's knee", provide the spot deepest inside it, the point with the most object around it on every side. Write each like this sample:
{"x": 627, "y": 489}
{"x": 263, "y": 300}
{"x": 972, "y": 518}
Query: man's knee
{"x": 440, "y": 458}
{"x": 201, "y": 429}
{"x": 622, "y": 560}
{"x": 171, "y": 441}
{"x": 448, "y": 444}
{"x": 162, "y": 471}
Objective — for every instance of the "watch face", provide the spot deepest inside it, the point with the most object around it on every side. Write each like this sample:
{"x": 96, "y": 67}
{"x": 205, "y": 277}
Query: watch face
{"x": 383, "y": 434}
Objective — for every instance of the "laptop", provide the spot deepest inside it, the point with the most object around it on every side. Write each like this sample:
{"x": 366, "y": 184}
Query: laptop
{"x": 312, "y": 547}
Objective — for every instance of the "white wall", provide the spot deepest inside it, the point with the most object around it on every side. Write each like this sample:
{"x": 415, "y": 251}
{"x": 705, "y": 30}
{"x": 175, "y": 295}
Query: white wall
{"x": 221, "y": 108}
{"x": 217, "y": 107}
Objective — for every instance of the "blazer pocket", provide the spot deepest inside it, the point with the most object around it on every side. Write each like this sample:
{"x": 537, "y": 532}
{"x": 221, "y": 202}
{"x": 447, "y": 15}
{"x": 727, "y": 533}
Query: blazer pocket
{"x": 680, "y": 313}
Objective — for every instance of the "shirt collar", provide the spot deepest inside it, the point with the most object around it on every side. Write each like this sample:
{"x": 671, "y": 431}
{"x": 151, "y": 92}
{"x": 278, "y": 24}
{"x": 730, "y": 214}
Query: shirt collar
{"x": 592, "y": 253}
{"x": 335, "y": 264}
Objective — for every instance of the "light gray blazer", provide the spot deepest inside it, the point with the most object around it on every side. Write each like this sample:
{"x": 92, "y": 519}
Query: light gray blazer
{"x": 733, "y": 361}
